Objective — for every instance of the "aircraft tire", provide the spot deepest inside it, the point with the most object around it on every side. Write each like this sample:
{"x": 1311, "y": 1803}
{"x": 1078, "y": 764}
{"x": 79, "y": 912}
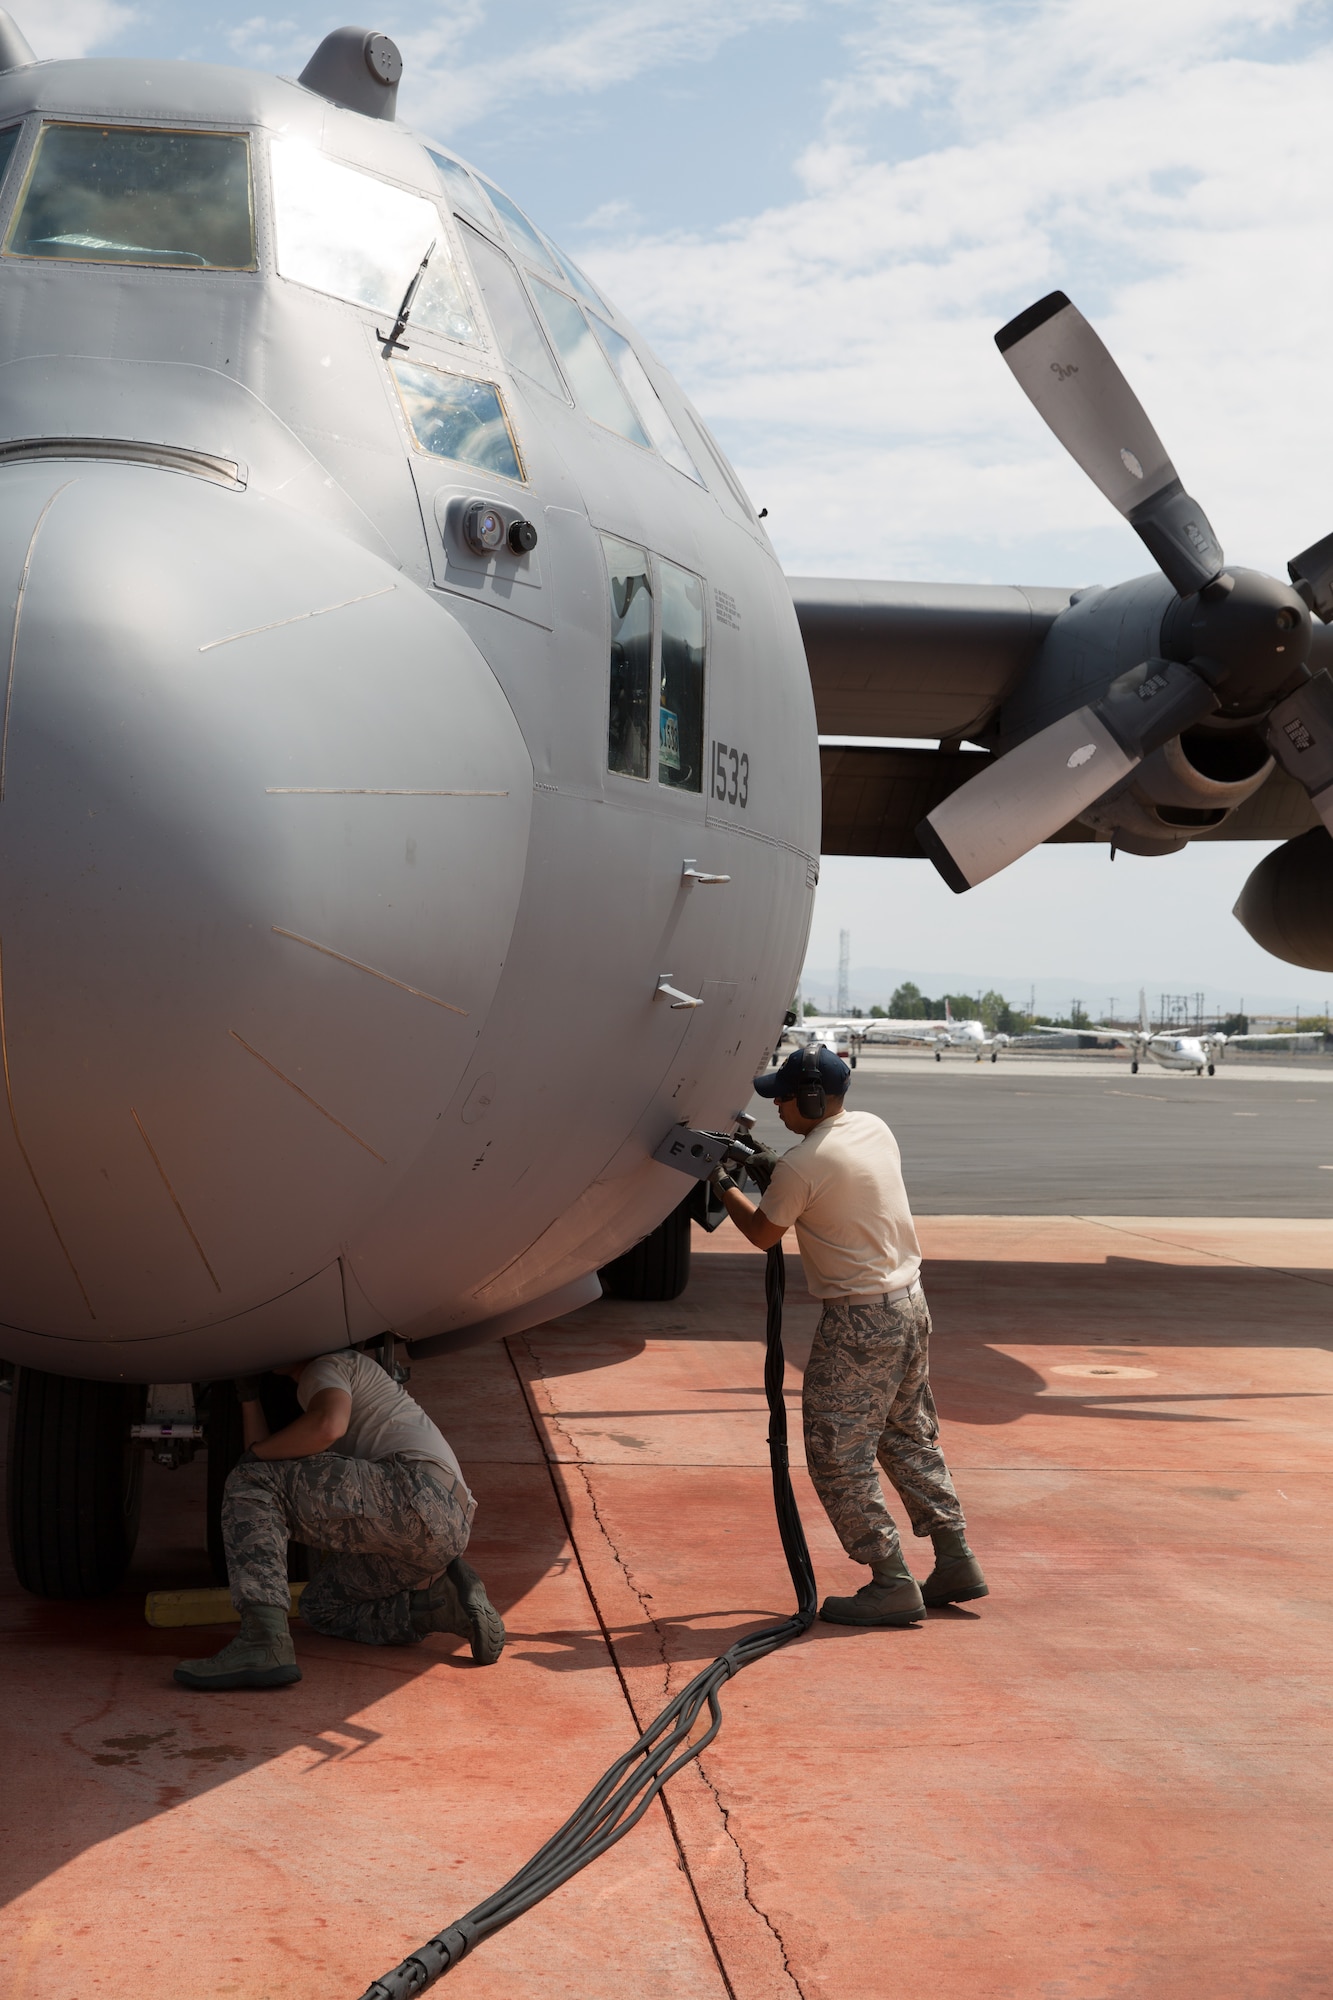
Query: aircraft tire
{"x": 938, "y": 1056}
{"x": 1212, "y": 1069}
{"x": 75, "y": 1482}
{"x": 225, "y": 1442}
{"x": 1133, "y": 1069}
{"x": 658, "y": 1268}
{"x": 994, "y": 1056}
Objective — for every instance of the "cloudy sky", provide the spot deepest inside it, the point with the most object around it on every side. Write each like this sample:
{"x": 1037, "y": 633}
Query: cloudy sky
{"x": 818, "y": 211}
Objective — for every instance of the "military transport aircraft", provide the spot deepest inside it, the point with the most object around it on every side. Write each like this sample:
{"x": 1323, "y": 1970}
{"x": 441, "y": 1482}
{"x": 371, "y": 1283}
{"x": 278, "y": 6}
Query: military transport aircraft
{"x": 389, "y": 655}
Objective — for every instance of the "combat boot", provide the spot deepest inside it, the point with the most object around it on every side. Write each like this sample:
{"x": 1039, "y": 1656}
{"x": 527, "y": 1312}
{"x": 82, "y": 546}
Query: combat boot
{"x": 890, "y": 1598}
{"x": 260, "y": 1656}
{"x": 457, "y": 1602}
{"x": 956, "y": 1577}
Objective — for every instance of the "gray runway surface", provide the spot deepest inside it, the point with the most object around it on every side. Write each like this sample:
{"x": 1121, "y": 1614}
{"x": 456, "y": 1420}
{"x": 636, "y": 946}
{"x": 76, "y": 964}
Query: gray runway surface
{"x": 983, "y": 1140}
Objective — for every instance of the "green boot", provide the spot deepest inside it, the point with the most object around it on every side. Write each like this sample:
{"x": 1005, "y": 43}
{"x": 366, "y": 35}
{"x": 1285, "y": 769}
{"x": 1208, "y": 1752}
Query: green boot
{"x": 956, "y": 1577}
{"x": 260, "y": 1656}
{"x": 890, "y": 1598}
{"x": 457, "y": 1602}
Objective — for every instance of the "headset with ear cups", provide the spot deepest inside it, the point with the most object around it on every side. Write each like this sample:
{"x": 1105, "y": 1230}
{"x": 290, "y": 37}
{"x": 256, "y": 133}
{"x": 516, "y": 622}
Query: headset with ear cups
{"x": 811, "y": 1096}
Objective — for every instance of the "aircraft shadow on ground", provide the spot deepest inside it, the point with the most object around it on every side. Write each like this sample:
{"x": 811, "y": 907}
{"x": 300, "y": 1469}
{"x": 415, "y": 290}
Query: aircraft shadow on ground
{"x": 158, "y": 1752}
{"x": 156, "y": 1747}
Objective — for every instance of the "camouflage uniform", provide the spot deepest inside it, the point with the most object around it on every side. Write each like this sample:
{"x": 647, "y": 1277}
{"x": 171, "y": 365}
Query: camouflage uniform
{"x": 867, "y": 1396}
{"x": 390, "y": 1525}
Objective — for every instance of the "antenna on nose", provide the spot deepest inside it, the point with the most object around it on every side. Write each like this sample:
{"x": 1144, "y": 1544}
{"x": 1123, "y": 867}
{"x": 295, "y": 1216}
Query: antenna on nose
{"x": 354, "y": 67}
{"x": 14, "y": 50}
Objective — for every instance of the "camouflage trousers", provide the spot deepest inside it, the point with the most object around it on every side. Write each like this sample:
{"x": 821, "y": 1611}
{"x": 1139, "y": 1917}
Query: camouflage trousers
{"x": 386, "y": 1526}
{"x": 867, "y": 1397}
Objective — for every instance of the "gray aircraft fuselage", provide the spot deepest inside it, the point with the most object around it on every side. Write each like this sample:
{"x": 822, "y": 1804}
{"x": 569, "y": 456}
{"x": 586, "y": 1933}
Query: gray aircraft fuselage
{"x": 330, "y": 946}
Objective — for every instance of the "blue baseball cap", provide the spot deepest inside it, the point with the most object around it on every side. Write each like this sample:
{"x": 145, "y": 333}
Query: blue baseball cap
{"x": 833, "y": 1073}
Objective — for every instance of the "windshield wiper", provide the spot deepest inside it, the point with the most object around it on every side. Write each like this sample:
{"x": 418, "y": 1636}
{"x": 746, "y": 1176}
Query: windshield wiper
{"x": 395, "y": 339}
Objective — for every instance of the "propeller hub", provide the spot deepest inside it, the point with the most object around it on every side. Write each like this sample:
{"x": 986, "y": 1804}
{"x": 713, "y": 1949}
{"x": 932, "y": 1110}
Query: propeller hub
{"x": 1251, "y": 641}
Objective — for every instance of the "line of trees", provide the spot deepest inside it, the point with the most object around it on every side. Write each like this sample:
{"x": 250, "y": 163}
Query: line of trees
{"x": 909, "y": 1003}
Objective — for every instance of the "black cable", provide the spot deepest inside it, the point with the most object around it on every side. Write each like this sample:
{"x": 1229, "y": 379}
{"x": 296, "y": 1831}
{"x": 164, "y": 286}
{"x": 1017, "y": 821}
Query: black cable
{"x": 623, "y": 1794}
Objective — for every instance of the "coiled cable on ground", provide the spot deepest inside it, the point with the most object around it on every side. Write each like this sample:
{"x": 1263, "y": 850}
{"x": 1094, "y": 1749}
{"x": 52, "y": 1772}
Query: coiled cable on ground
{"x": 623, "y": 1794}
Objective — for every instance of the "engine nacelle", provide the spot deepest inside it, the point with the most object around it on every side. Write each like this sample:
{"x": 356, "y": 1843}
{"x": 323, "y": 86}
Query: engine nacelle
{"x": 1287, "y": 903}
{"x": 1191, "y": 784}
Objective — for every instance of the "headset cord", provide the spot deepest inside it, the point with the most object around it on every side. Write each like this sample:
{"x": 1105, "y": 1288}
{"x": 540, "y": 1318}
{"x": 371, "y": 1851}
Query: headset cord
{"x": 623, "y": 1794}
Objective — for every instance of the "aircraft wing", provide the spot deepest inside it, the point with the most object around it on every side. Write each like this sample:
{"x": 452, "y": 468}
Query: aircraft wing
{"x": 925, "y": 1033}
{"x": 1289, "y": 1035}
{"x": 935, "y": 660}
{"x": 917, "y": 659}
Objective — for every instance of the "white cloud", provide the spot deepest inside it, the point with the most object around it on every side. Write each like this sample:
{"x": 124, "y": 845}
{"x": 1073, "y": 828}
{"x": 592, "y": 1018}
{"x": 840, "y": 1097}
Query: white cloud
{"x": 63, "y": 28}
{"x": 1164, "y": 165}
{"x": 591, "y": 46}
{"x": 261, "y": 42}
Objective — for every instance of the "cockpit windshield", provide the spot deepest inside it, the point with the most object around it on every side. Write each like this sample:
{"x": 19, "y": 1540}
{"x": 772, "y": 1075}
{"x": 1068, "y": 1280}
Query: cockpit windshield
{"x": 123, "y": 195}
{"x": 342, "y": 231}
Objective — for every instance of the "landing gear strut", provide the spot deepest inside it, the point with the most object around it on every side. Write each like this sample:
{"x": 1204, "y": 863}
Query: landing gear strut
{"x": 75, "y": 1480}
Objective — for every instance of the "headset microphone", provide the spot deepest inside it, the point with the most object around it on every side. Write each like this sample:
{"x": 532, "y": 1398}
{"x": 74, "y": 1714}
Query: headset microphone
{"x": 811, "y": 1096}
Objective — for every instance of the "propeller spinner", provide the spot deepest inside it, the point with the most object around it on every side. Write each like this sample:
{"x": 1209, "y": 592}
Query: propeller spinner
{"x": 1238, "y": 643}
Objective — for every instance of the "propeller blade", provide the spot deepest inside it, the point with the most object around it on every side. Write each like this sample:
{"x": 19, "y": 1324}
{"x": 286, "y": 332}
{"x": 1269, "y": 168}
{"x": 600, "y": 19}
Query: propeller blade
{"x": 1074, "y": 385}
{"x": 1312, "y": 573}
{"x": 1300, "y": 736}
{"x": 1050, "y": 778}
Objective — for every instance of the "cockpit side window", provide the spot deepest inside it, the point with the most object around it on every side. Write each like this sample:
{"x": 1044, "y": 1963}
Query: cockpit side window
{"x": 634, "y": 381}
{"x": 520, "y": 231}
{"x": 453, "y": 416}
{"x": 8, "y": 141}
{"x": 521, "y": 340}
{"x": 680, "y": 717}
{"x": 631, "y": 696}
{"x": 126, "y": 195}
{"x": 465, "y": 197}
{"x": 578, "y": 283}
{"x": 341, "y": 231}
{"x": 594, "y": 381}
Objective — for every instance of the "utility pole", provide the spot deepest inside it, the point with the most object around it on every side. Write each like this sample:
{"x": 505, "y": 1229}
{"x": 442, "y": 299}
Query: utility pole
{"x": 844, "y": 970}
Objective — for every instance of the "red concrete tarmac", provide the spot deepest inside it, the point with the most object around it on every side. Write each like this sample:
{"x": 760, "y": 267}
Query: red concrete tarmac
{"x": 1106, "y": 1781}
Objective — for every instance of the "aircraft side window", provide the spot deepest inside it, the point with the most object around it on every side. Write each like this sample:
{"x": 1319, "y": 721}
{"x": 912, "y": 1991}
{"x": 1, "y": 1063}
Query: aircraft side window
{"x": 583, "y": 286}
{"x": 453, "y": 416}
{"x": 341, "y": 231}
{"x": 651, "y": 410}
{"x": 594, "y": 381}
{"x": 521, "y": 339}
{"x": 465, "y": 195}
{"x": 680, "y": 716}
{"x": 8, "y": 140}
{"x": 725, "y": 469}
{"x": 121, "y": 195}
{"x": 520, "y": 231}
{"x": 630, "y": 713}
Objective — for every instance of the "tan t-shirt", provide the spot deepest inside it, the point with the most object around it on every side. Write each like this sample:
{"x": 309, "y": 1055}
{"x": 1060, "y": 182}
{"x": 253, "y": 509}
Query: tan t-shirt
{"x": 384, "y": 1420}
{"x": 843, "y": 1189}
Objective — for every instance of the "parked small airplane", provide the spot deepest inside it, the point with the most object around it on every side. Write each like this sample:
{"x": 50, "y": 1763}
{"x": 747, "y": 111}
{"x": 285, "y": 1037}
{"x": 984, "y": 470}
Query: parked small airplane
{"x": 973, "y": 1036}
{"x": 1170, "y": 1049}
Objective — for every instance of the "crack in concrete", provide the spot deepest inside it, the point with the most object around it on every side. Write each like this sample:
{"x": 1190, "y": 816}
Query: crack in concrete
{"x": 682, "y": 1859}
{"x": 645, "y": 1601}
{"x": 644, "y": 1598}
{"x": 759, "y": 1911}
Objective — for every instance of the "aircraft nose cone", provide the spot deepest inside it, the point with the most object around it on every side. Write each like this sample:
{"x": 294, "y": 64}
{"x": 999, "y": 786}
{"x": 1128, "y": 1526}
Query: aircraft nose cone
{"x": 263, "y": 826}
